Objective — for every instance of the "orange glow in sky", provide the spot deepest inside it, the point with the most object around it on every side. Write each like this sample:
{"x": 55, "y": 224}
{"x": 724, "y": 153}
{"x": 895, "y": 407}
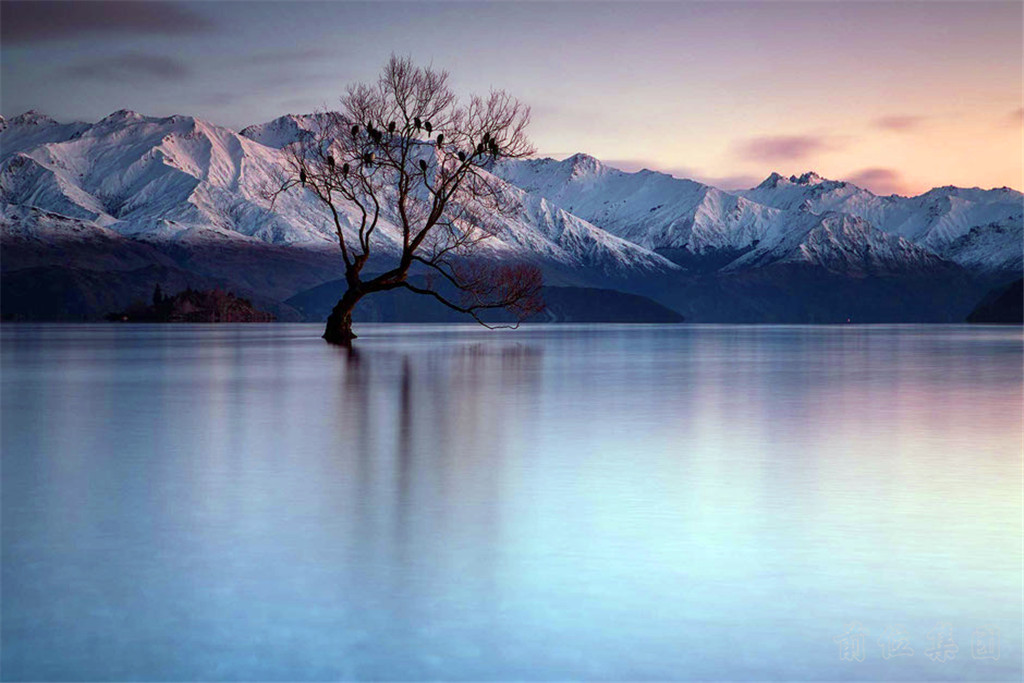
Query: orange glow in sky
{"x": 896, "y": 96}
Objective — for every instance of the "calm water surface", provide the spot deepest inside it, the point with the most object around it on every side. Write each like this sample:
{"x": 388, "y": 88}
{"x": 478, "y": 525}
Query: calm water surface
{"x": 607, "y": 502}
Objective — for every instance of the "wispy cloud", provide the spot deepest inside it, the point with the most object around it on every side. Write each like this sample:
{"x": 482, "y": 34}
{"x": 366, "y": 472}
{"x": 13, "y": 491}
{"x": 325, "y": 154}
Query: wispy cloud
{"x": 781, "y": 148}
{"x": 28, "y": 22}
{"x": 899, "y": 124}
{"x": 132, "y": 65}
{"x": 1016, "y": 117}
{"x": 879, "y": 180}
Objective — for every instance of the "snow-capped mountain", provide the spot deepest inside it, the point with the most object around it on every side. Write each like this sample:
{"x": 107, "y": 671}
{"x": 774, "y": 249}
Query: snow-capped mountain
{"x": 994, "y": 247}
{"x": 839, "y": 242}
{"x": 652, "y": 209}
{"x": 181, "y": 179}
{"x": 683, "y": 218}
{"x": 980, "y": 229}
{"x": 174, "y": 178}
{"x": 282, "y": 131}
{"x": 181, "y": 193}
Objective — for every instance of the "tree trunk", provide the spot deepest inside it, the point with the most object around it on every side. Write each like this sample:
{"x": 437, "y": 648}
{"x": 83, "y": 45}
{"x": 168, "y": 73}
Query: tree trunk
{"x": 339, "y": 322}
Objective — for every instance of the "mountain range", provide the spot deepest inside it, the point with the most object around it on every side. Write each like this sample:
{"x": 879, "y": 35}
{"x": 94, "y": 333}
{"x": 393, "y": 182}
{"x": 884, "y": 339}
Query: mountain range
{"x": 92, "y": 215}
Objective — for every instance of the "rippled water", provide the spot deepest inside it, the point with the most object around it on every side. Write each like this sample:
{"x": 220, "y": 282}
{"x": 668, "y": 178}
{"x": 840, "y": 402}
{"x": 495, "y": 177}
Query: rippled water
{"x": 606, "y": 502}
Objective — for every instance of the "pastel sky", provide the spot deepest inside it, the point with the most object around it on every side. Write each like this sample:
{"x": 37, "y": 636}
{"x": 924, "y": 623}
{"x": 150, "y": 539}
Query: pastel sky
{"x": 898, "y": 97}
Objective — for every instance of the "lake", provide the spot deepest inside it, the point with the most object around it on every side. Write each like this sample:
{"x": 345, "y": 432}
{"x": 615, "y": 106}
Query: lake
{"x": 680, "y": 502}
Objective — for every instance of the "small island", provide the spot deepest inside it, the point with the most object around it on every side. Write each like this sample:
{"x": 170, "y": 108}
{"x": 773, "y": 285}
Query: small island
{"x": 193, "y": 306}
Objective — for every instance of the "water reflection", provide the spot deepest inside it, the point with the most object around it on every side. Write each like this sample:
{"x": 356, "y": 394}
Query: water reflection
{"x": 680, "y": 502}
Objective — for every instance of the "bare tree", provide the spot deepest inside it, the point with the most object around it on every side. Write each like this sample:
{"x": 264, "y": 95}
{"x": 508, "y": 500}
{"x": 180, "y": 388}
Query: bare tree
{"x": 406, "y": 151}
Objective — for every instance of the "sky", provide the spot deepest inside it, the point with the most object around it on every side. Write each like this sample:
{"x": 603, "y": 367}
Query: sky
{"x": 895, "y": 96}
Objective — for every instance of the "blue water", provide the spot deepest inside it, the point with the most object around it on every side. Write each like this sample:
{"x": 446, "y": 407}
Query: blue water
{"x": 593, "y": 502}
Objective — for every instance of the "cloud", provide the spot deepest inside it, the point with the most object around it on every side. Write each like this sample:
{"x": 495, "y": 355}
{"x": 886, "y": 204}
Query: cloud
{"x": 131, "y": 66}
{"x": 777, "y": 148}
{"x": 879, "y": 180}
{"x": 1016, "y": 118}
{"x": 899, "y": 124}
{"x": 28, "y": 22}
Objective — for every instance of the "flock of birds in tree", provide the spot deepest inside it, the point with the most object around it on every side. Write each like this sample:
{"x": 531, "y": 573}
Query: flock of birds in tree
{"x": 488, "y": 145}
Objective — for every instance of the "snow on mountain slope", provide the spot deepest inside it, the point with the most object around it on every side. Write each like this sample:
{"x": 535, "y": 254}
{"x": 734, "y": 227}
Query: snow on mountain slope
{"x": 282, "y": 131}
{"x": 540, "y": 228}
{"x": 25, "y": 181}
{"x": 840, "y": 243}
{"x": 652, "y": 209}
{"x": 662, "y": 212}
{"x": 544, "y": 229}
{"x": 181, "y": 179}
{"x": 32, "y": 129}
{"x": 937, "y": 219}
{"x": 808, "y": 191}
{"x": 170, "y": 178}
{"x": 173, "y": 177}
{"x": 659, "y": 211}
{"x": 44, "y": 238}
{"x": 994, "y": 247}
